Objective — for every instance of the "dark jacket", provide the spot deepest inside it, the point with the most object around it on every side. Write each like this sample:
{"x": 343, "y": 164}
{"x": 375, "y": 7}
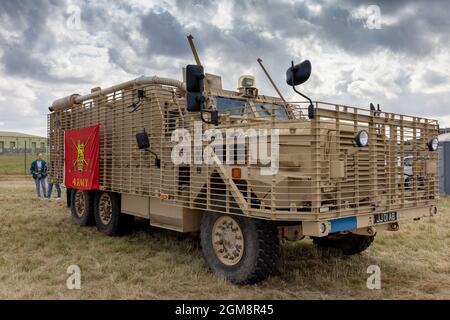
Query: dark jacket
{"x": 34, "y": 170}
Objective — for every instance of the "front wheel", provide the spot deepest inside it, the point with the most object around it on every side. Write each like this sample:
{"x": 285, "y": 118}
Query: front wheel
{"x": 348, "y": 243}
{"x": 108, "y": 217}
{"x": 243, "y": 250}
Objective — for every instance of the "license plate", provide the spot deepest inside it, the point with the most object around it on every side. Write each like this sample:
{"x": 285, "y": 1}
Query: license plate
{"x": 385, "y": 217}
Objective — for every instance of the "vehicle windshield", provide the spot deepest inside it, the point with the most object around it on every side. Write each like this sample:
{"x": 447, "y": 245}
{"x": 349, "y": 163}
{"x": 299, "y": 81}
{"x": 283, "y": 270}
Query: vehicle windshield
{"x": 266, "y": 109}
{"x": 238, "y": 107}
{"x": 230, "y": 106}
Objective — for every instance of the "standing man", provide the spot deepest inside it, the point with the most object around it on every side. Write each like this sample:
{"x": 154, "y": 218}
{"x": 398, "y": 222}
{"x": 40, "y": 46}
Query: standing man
{"x": 39, "y": 172}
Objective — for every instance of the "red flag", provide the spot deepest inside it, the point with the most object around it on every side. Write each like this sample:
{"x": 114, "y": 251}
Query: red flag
{"x": 81, "y": 151}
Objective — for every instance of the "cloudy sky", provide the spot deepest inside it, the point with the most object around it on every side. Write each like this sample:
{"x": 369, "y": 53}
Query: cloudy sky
{"x": 395, "y": 53}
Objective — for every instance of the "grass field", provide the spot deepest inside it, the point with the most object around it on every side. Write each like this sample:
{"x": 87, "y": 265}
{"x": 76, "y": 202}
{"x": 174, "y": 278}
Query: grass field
{"x": 38, "y": 241}
{"x": 15, "y": 164}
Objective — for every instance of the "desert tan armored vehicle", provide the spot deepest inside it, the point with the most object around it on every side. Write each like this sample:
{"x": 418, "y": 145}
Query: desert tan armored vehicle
{"x": 287, "y": 170}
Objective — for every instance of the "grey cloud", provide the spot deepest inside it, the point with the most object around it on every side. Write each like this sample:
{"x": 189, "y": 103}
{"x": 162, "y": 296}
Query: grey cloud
{"x": 18, "y": 61}
{"x": 165, "y": 34}
{"x": 94, "y": 17}
{"x": 150, "y": 41}
{"x": 413, "y": 35}
{"x": 14, "y": 119}
{"x": 434, "y": 78}
{"x": 30, "y": 18}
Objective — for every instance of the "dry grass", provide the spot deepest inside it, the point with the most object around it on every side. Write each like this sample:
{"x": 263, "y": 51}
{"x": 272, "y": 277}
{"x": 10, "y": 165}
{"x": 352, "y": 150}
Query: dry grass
{"x": 38, "y": 242}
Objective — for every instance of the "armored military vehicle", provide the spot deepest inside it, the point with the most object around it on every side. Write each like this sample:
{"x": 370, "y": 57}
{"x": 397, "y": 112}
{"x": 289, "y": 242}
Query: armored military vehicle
{"x": 245, "y": 169}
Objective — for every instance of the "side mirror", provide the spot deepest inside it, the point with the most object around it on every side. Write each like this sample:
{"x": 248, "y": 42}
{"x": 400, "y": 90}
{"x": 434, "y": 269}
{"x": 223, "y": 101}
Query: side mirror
{"x": 194, "y": 101}
{"x": 298, "y": 74}
{"x": 194, "y": 78}
{"x": 143, "y": 143}
{"x": 142, "y": 140}
{"x": 194, "y": 87}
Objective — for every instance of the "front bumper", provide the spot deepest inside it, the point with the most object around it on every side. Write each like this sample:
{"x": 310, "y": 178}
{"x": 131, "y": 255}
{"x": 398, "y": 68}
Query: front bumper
{"x": 363, "y": 224}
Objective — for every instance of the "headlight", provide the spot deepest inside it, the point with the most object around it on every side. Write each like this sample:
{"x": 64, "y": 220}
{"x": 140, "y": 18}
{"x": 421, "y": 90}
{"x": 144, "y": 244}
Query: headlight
{"x": 362, "y": 138}
{"x": 433, "y": 144}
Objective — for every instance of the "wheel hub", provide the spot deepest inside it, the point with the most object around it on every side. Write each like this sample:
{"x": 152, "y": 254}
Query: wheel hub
{"x": 105, "y": 208}
{"x": 228, "y": 240}
{"x": 79, "y": 203}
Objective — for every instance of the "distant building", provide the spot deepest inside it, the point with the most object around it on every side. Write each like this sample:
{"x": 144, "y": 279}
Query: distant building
{"x": 15, "y": 142}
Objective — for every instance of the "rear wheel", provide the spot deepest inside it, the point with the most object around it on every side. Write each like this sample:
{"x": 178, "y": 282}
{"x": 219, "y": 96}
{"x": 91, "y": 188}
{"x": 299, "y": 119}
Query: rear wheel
{"x": 349, "y": 243}
{"x": 243, "y": 250}
{"x": 82, "y": 207}
{"x": 108, "y": 218}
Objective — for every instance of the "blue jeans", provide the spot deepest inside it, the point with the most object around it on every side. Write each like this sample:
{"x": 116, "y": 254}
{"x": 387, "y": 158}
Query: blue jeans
{"x": 50, "y": 189}
{"x": 40, "y": 182}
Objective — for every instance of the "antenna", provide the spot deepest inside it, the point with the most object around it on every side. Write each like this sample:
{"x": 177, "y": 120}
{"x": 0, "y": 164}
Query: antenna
{"x": 275, "y": 86}
{"x": 194, "y": 50}
{"x": 271, "y": 81}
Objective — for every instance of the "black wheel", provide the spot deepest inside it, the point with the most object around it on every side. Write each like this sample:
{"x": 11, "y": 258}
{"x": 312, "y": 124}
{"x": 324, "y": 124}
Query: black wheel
{"x": 243, "y": 250}
{"x": 348, "y": 243}
{"x": 108, "y": 218}
{"x": 82, "y": 207}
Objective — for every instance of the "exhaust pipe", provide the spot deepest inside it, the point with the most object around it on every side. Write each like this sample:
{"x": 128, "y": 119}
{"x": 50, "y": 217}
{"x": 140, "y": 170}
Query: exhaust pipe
{"x": 69, "y": 101}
